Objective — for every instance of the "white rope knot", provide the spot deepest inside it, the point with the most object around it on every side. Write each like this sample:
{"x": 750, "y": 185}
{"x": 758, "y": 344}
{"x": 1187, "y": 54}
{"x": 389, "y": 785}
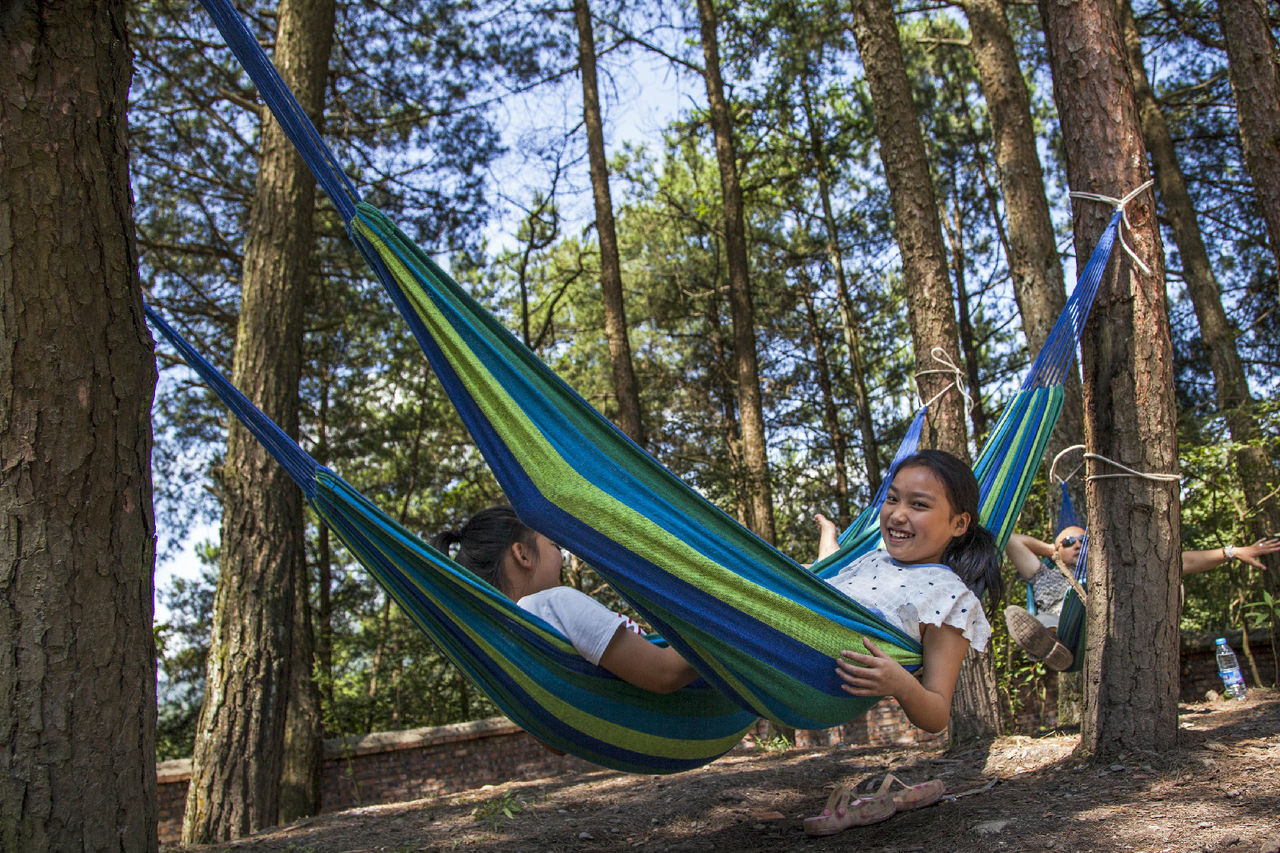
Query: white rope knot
{"x": 1121, "y": 205}
{"x": 1129, "y": 472}
{"x": 1053, "y": 467}
{"x": 948, "y": 366}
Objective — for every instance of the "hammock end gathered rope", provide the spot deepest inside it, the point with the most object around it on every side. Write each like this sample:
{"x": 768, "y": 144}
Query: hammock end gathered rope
{"x": 1121, "y": 204}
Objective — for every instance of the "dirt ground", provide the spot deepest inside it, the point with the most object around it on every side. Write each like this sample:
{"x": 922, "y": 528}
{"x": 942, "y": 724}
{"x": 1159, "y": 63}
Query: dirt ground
{"x": 1218, "y": 790}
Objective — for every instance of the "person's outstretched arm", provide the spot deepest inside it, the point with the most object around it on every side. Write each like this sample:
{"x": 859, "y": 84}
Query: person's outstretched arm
{"x": 634, "y": 659}
{"x": 1025, "y": 553}
{"x": 927, "y": 702}
{"x": 1195, "y": 562}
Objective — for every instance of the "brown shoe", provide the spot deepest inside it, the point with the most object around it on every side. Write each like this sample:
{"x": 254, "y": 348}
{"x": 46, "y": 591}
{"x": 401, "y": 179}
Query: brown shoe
{"x": 1036, "y": 640}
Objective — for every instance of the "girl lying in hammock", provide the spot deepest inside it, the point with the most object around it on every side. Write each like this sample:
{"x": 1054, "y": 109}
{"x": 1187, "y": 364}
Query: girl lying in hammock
{"x": 935, "y": 561}
{"x": 525, "y": 567}
{"x": 927, "y": 520}
{"x": 935, "y": 558}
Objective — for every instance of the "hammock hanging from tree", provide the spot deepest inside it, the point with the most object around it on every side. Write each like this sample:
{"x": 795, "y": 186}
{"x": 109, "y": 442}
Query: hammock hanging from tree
{"x": 760, "y": 628}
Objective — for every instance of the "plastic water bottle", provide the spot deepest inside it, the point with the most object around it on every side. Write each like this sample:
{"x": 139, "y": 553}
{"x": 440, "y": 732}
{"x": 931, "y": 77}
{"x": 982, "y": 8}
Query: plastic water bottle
{"x": 1229, "y": 669}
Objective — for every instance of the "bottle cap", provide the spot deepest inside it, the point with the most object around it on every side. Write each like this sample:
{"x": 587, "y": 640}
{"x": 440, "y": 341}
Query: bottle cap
{"x": 1222, "y": 641}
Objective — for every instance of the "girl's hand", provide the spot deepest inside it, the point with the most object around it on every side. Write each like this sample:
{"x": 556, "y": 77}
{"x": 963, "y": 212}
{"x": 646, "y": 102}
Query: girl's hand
{"x": 873, "y": 674}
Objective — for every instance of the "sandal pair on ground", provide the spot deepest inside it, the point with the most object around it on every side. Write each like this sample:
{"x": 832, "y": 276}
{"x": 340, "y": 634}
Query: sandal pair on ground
{"x": 845, "y": 809}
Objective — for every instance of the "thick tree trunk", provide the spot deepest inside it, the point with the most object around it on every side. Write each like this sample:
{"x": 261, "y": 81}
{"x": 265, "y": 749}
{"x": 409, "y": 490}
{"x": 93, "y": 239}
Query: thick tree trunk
{"x": 755, "y": 450}
{"x": 1131, "y": 662}
{"x": 1256, "y": 474}
{"x": 975, "y": 693}
{"x": 1034, "y": 264}
{"x": 929, "y": 298}
{"x": 625, "y": 387}
{"x": 1255, "y": 79}
{"x": 915, "y": 220}
{"x": 77, "y": 374}
{"x": 258, "y": 643}
{"x": 848, "y": 321}
{"x": 303, "y": 758}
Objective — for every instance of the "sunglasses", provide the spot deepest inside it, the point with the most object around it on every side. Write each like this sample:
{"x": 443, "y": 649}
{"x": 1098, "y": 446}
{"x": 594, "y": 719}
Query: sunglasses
{"x": 1070, "y": 540}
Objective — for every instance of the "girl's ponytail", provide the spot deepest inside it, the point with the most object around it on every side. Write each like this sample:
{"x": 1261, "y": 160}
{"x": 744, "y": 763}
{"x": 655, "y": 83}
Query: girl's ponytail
{"x": 974, "y": 557}
{"x": 483, "y": 542}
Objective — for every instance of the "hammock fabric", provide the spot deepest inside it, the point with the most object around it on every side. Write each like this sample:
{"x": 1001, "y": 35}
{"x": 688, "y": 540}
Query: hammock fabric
{"x": 760, "y": 628}
{"x": 531, "y": 672}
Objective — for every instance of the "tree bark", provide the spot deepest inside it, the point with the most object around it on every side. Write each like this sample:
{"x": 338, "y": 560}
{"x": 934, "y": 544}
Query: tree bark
{"x": 626, "y": 388}
{"x": 830, "y": 414}
{"x": 1131, "y": 661}
{"x": 1254, "y": 70}
{"x": 954, "y": 230}
{"x": 1254, "y": 471}
{"x": 975, "y": 694}
{"x": 755, "y": 450}
{"x": 1034, "y": 264}
{"x": 929, "y": 297}
{"x": 77, "y": 376}
{"x": 848, "y": 321}
{"x": 324, "y": 563}
{"x": 259, "y": 642}
{"x": 915, "y": 220}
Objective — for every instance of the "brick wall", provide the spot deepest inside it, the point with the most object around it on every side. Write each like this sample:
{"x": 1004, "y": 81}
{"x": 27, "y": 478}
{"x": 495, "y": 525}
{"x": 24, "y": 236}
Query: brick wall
{"x": 396, "y": 766}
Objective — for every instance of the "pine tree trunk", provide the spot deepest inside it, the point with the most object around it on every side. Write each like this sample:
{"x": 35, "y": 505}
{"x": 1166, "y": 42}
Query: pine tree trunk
{"x": 916, "y": 224}
{"x": 1256, "y": 474}
{"x": 929, "y": 298}
{"x": 975, "y": 694}
{"x": 848, "y": 321}
{"x": 1254, "y": 69}
{"x": 239, "y": 763}
{"x": 954, "y": 229}
{"x": 625, "y": 387}
{"x": 77, "y": 375}
{"x": 303, "y": 759}
{"x": 1034, "y": 264}
{"x": 324, "y": 565}
{"x": 1131, "y": 661}
{"x": 830, "y": 413}
{"x": 755, "y": 451}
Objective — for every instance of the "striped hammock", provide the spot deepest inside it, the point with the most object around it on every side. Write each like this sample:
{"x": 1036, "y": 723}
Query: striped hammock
{"x": 761, "y": 629}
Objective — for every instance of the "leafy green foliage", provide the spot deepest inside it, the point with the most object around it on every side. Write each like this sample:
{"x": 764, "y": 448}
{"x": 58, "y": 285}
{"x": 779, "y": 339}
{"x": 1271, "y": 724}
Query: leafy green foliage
{"x": 501, "y": 808}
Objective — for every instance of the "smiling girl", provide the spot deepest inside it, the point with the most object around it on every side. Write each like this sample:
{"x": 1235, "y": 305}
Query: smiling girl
{"x": 935, "y": 562}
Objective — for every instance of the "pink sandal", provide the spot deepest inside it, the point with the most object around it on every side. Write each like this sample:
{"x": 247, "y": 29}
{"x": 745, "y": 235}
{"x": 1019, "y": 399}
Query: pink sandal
{"x": 840, "y": 813}
{"x": 914, "y": 796}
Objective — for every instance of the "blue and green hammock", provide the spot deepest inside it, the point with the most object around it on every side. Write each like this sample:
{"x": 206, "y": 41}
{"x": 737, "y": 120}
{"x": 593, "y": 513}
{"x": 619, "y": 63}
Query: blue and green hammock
{"x": 761, "y": 629}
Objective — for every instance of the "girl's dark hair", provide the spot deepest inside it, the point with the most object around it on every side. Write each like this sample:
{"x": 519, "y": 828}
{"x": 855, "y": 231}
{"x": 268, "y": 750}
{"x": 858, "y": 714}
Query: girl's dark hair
{"x": 972, "y": 555}
{"x": 483, "y": 542}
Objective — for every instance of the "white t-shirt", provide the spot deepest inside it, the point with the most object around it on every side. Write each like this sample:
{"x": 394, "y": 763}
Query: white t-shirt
{"x": 908, "y": 595}
{"x": 585, "y": 622}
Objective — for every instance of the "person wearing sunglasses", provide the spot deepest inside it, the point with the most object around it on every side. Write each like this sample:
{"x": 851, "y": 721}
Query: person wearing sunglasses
{"x": 1037, "y": 563}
